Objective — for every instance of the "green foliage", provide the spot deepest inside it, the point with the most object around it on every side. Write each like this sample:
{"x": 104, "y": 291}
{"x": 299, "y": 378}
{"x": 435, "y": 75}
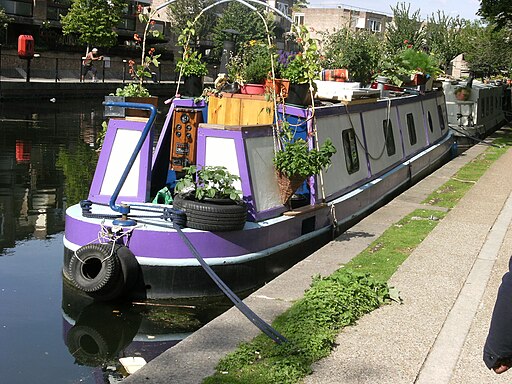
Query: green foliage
{"x": 94, "y": 21}
{"x": 404, "y": 27}
{"x": 497, "y": 12}
{"x": 296, "y": 159}
{"x": 360, "y": 52}
{"x": 133, "y": 90}
{"x": 486, "y": 50}
{"x": 78, "y": 167}
{"x": 182, "y": 12}
{"x": 190, "y": 63}
{"x": 443, "y": 34}
{"x": 208, "y": 182}
{"x": 250, "y": 65}
{"x": 304, "y": 66}
{"x": 400, "y": 68}
{"x": 310, "y": 325}
{"x": 244, "y": 21}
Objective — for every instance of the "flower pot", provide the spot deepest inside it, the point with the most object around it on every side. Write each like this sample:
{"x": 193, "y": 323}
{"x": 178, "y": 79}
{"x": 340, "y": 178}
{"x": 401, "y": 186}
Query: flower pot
{"x": 287, "y": 186}
{"x": 282, "y": 86}
{"x": 252, "y": 89}
{"x": 299, "y": 94}
{"x": 153, "y": 100}
{"x": 192, "y": 86}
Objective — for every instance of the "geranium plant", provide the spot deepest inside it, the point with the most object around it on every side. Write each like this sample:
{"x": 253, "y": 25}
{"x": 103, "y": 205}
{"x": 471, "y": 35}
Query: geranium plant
{"x": 212, "y": 182}
{"x": 141, "y": 72}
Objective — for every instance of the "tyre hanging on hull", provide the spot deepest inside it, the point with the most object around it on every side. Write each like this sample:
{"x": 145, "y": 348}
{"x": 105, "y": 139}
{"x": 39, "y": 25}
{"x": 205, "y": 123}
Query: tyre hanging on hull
{"x": 104, "y": 271}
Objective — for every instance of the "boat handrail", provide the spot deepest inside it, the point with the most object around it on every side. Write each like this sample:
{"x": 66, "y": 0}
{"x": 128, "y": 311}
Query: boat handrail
{"x": 124, "y": 209}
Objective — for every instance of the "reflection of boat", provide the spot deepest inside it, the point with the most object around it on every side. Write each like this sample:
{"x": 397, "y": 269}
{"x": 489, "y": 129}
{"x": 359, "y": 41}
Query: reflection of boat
{"x": 98, "y": 334}
{"x": 382, "y": 146}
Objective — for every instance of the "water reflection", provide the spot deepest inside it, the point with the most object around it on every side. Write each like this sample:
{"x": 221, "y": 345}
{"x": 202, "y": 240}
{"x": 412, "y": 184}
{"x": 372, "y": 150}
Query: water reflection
{"x": 49, "y": 333}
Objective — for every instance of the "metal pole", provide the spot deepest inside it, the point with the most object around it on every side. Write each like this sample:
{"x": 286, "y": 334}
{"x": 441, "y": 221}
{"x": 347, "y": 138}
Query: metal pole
{"x": 0, "y": 71}
{"x": 81, "y": 69}
{"x": 28, "y": 70}
{"x": 57, "y": 69}
{"x": 124, "y": 70}
{"x": 103, "y": 71}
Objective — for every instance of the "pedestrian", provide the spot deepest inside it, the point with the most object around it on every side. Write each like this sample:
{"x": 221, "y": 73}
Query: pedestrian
{"x": 88, "y": 65}
{"x": 498, "y": 346}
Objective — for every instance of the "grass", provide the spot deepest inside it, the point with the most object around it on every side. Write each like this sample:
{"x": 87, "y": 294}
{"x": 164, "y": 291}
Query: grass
{"x": 313, "y": 322}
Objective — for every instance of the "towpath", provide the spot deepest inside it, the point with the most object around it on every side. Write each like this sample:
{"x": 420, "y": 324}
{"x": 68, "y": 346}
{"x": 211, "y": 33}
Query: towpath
{"x": 448, "y": 285}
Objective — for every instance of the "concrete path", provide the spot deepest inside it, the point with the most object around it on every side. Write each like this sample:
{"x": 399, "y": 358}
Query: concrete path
{"x": 448, "y": 286}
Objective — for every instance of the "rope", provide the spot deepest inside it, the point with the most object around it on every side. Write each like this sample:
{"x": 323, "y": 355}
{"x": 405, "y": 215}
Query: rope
{"x": 253, "y": 317}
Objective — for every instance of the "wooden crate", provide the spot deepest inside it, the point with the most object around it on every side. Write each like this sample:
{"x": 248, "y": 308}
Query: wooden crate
{"x": 238, "y": 109}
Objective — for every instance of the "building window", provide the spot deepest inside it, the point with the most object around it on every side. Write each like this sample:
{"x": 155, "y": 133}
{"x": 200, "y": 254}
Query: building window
{"x": 388, "y": 137}
{"x": 411, "y": 129}
{"x": 350, "y": 148}
{"x": 298, "y": 18}
{"x": 374, "y": 25}
{"x": 17, "y": 8}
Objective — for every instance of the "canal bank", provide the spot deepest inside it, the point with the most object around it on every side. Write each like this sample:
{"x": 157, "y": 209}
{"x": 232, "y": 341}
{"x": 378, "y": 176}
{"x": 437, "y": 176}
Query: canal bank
{"x": 448, "y": 285}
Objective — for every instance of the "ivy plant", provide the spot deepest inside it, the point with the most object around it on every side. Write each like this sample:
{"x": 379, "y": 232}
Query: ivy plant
{"x": 212, "y": 182}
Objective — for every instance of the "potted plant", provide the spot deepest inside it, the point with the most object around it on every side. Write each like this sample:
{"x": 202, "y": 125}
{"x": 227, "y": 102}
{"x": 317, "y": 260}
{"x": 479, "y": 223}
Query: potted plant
{"x": 462, "y": 93}
{"x": 295, "y": 161}
{"x": 190, "y": 66}
{"x": 302, "y": 67}
{"x": 210, "y": 200}
{"x": 409, "y": 66}
{"x": 136, "y": 91}
{"x": 250, "y": 67}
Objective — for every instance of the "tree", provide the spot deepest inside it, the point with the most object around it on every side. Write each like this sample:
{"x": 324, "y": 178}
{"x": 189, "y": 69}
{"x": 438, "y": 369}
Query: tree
{"x": 94, "y": 21}
{"x": 498, "y": 12}
{"x": 180, "y": 12}
{"x": 244, "y": 21}
{"x": 405, "y": 29}
{"x": 359, "y": 52}
{"x": 486, "y": 50}
{"x": 443, "y": 37}
{"x": 4, "y": 22}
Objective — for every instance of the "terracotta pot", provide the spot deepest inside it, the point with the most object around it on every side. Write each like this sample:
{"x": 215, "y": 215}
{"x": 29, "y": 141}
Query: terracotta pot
{"x": 252, "y": 89}
{"x": 282, "y": 86}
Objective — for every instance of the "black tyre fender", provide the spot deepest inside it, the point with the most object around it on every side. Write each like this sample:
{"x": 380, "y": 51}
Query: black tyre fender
{"x": 212, "y": 217}
{"x": 103, "y": 271}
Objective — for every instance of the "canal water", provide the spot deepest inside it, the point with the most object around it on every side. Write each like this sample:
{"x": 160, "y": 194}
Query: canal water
{"x": 49, "y": 333}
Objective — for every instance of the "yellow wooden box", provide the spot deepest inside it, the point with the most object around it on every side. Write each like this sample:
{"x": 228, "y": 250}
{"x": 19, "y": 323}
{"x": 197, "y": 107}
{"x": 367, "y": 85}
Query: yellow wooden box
{"x": 239, "y": 109}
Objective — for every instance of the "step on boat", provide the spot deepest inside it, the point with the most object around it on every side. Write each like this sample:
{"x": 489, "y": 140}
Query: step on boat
{"x": 119, "y": 242}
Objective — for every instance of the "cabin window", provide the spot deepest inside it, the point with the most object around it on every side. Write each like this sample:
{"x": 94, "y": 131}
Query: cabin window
{"x": 430, "y": 125}
{"x": 350, "y": 148}
{"x": 441, "y": 117}
{"x": 482, "y": 108}
{"x": 412, "y": 129}
{"x": 388, "y": 136}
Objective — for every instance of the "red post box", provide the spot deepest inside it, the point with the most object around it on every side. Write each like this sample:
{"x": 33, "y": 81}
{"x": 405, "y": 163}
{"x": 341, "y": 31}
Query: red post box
{"x": 26, "y": 46}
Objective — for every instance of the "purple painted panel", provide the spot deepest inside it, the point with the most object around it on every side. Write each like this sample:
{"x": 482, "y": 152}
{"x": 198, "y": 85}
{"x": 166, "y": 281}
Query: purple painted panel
{"x": 144, "y": 166}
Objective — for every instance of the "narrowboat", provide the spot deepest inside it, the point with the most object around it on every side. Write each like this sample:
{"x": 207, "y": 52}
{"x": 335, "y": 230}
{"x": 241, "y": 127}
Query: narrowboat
{"x": 123, "y": 242}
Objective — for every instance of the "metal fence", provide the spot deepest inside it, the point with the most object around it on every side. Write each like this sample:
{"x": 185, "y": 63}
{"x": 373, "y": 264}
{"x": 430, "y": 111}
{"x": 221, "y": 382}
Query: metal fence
{"x": 65, "y": 67}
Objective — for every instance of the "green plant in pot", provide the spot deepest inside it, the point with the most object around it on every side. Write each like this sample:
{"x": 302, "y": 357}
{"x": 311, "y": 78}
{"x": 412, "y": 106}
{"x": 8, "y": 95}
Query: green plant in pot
{"x": 302, "y": 67}
{"x": 190, "y": 66}
{"x": 295, "y": 161}
{"x": 210, "y": 200}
